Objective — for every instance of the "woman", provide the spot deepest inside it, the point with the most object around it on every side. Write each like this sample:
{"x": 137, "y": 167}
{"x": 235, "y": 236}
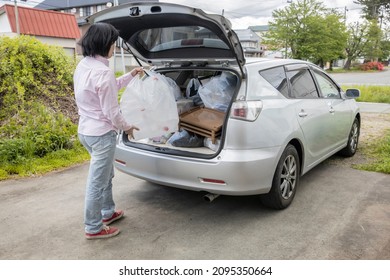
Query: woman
{"x": 96, "y": 92}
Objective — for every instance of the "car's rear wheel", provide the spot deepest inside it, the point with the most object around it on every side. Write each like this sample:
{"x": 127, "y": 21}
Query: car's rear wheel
{"x": 353, "y": 140}
{"x": 285, "y": 181}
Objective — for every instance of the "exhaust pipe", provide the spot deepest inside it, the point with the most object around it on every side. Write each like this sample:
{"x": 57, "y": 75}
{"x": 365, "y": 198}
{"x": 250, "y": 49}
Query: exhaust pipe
{"x": 210, "y": 197}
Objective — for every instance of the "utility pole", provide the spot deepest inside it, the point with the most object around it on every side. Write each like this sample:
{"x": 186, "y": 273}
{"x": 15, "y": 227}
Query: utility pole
{"x": 345, "y": 15}
{"x": 17, "y": 18}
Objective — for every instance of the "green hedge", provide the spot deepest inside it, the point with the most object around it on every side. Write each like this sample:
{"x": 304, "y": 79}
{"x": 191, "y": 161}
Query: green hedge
{"x": 38, "y": 112}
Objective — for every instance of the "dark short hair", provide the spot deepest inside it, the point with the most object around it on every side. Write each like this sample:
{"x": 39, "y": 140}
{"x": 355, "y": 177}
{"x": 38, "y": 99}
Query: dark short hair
{"x": 98, "y": 39}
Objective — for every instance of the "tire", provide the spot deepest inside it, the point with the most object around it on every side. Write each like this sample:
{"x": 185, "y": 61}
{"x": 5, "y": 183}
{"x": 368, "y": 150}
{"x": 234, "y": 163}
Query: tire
{"x": 353, "y": 140}
{"x": 285, "y": 181}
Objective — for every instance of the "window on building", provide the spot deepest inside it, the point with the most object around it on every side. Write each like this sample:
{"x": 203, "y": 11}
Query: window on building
{"x": 85, "y": 11}
{"x": 100, "y": 8}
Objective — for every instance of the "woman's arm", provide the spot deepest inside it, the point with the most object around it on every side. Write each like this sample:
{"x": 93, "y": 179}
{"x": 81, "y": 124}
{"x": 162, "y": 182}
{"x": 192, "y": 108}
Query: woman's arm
{"x": 125, "y": 79}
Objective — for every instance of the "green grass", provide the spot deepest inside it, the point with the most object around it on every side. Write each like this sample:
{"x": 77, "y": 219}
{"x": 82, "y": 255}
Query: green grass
{"x": 372, "y": 93}
{"x": 40, "y": 165}
{"x": 379, "y": 151}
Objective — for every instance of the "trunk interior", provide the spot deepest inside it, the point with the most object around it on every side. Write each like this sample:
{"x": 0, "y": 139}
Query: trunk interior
{"x": 203, "y": 98}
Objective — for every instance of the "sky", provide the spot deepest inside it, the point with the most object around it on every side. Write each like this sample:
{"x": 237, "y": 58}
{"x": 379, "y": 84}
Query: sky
{"x": 244, "y": 13}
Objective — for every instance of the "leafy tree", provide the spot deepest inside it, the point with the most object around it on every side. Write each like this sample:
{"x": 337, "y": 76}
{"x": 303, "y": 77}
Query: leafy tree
{"x": 374, "y": 9}
{"x": 385, "y": 45}
{"x": 365, "y": 41}
{"x": 308, "y": 30}
{"x": 372, "y": 50}
{"x": 336, "y": 36}
{"x": 357, "y": 41}
{"x": 378, "y": 11}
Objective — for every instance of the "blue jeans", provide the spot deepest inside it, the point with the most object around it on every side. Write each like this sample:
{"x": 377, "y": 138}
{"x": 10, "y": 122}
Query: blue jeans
{"x": 99, "y": 203}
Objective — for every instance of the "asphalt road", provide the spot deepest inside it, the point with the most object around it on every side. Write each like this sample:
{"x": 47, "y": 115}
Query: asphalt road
{"x": 338, "y": 213}
{"x": 369, "y": 78}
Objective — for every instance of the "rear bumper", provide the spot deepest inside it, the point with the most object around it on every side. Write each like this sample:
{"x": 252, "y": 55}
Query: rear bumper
{"x": 245, "y": 172}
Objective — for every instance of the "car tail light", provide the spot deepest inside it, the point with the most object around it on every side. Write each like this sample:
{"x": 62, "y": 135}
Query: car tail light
{"x": 246, "y": 110}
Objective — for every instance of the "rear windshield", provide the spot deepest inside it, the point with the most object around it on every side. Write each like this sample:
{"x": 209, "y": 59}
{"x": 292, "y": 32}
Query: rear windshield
{"x": 161, "y": 39}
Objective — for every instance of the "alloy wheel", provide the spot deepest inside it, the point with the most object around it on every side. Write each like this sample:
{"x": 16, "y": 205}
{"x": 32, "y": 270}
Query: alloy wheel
{"x": 354, "y": 137}
{"x": 288, "y": 177}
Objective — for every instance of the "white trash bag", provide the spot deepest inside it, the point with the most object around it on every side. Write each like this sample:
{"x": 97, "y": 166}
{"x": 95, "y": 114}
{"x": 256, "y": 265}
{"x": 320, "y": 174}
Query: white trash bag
{"x": 148, "y": 102}
{"x": 218, "y": 92}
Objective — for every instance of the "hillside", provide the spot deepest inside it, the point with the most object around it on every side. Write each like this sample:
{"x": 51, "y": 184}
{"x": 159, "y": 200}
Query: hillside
{"x": 38, "y": 113}
{"x": 31, "y": 71}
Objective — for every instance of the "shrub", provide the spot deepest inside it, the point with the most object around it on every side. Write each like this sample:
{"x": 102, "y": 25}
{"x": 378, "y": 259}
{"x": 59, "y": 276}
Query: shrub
{"x": 33, "y": 71}
{"x": 35, "y": 132}
{"x": 14, "y": 151}
{"x": 374, "y": 65}
{"x": 37, "y": 106}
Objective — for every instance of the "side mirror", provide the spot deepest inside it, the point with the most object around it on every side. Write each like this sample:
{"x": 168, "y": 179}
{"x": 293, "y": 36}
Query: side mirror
{"x": 352, "y": 93}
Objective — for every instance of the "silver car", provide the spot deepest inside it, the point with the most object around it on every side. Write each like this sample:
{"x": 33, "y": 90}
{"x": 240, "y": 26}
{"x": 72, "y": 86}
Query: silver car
{"x": 263, "y": 125}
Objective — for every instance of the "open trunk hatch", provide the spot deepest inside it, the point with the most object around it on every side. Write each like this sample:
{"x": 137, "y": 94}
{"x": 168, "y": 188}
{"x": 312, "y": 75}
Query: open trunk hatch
{"x": 169, "y": 34}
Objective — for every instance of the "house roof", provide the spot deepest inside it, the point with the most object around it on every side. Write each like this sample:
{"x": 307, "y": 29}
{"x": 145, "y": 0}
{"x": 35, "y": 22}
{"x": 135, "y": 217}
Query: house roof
{"x": 42, "y": 23}
{"x": 61, "y": 4}
{"x": 259, "y": 28}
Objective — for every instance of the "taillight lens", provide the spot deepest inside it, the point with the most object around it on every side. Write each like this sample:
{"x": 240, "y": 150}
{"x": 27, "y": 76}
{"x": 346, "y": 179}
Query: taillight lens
{"x": 246, "y": 110}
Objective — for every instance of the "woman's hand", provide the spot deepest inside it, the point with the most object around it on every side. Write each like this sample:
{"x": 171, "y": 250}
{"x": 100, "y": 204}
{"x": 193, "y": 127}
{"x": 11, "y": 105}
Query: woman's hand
{"x": 136, "y": 71}
{"x": 130, "y": 132}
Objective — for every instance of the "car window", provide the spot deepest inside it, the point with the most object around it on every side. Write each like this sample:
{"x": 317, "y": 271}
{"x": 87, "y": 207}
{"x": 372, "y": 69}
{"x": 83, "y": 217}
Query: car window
{"x": 302, "y": 84}
{"x": 277, "y": 78}
{"x": 162, "y": 39}
{"x": 327, "y": 87}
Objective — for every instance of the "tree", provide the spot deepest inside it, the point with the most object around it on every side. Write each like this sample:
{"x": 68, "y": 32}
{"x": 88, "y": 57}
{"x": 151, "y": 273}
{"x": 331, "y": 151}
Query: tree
{"x": 385, "y": 45}
{"x": 378, "y": 12}
{"x": 308, "y": 30}
{"x": 357, "y": 40}
{"x": 365, "y": 41}
{"x": 336, "y": 36}
{"x": 372, "y": 50}
{"x": 375, "y": 9}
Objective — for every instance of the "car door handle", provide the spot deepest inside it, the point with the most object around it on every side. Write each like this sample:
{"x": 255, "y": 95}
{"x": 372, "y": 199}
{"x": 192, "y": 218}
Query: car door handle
{"x": 302, "y": 114}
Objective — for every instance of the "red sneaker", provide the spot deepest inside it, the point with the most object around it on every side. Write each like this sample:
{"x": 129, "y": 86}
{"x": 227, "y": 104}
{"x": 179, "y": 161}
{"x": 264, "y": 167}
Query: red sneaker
{"x": 116, "y": 216}
{"x": 106, "y": 232}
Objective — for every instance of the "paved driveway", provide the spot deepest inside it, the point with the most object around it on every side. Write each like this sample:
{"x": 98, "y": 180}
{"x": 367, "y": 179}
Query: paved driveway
{"x": 369, "y": 78}
{"x": 338, "y": 213}
{"x": 380, "y": 108}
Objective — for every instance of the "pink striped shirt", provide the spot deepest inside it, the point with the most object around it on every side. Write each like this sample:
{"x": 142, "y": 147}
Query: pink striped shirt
{"x": 96, "y": 91}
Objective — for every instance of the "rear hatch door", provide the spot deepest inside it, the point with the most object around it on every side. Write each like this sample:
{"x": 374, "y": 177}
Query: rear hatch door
{"x": 174, "y": 35}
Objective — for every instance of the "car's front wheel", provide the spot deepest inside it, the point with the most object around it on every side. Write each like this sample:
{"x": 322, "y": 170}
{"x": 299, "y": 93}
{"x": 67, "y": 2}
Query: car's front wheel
{"x": 353, "y": 140}
{"x": 285, "y": 181}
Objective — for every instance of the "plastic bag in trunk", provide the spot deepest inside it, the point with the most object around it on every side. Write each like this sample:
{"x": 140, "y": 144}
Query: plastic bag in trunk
{"x": 218, "y": 92}
{"x": 149, "y": 103}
